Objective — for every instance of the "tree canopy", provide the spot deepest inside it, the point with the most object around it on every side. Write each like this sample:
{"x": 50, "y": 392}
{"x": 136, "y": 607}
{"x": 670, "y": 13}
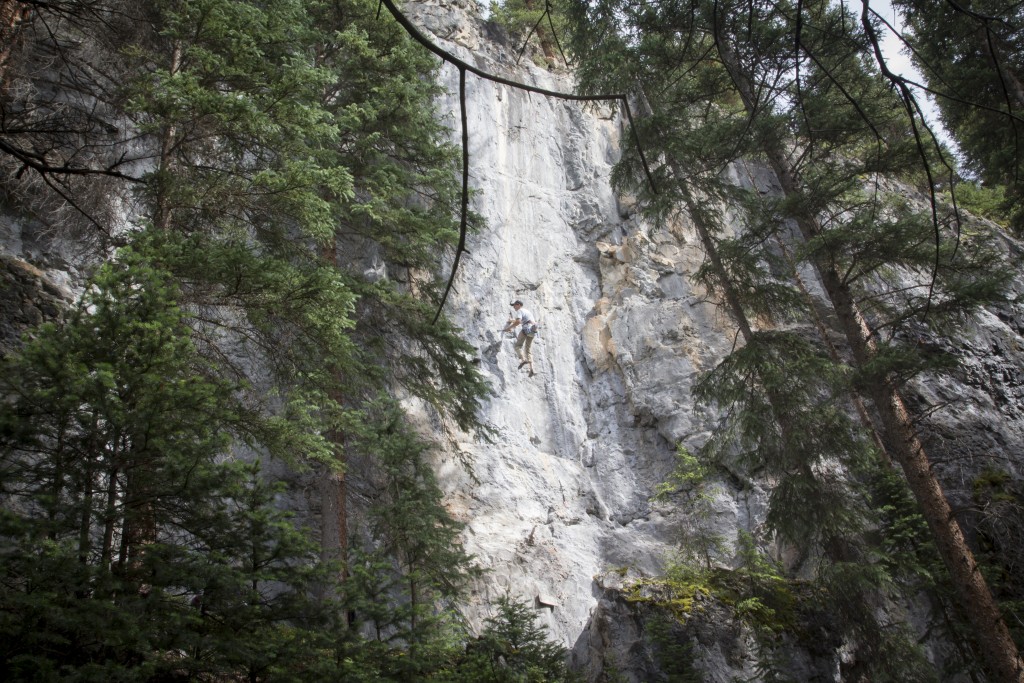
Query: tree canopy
{"x": 802, "y": 90}
{"x": 266, "y": 195}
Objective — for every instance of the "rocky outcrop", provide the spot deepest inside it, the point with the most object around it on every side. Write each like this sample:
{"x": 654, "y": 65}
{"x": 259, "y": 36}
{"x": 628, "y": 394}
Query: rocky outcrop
{"x": 36, "y": 282}
{"x": 27, "y": 298}
{"x": 562, "y": 493}
{"x": 561, "y": 497}
{"x": 633, "y": 636}
{"x": 557, "y": 500}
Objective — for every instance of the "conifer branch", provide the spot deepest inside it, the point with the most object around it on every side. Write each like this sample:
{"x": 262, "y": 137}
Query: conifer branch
{"x": 526, "y": 40}
{"x": 1003, "y": 85}
{"x": 798, "y": 80}
{"x": 554, "y": 33}
{"x": 937, "y": 75}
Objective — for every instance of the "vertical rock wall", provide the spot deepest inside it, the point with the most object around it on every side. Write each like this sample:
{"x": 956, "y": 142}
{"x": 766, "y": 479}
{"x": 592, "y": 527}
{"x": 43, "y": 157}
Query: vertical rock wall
{"x": 561, "y": 496}
{"x": 558, "y": 506}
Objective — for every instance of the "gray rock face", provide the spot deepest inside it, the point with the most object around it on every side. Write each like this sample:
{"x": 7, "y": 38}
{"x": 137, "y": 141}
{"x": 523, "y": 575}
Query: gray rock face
{"x": 563, "y": 493}
{"x": 37, "y": 280}
{"x": 557, "y": 507}
{"x": 562, "y": 497}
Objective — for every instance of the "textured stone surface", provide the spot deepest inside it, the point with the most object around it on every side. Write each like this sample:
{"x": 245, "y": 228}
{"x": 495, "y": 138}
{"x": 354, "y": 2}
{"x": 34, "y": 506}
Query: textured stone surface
{"x": 563, "y": 493}
{"x": 36, "y": 281}
{"x": 561, "y": 498}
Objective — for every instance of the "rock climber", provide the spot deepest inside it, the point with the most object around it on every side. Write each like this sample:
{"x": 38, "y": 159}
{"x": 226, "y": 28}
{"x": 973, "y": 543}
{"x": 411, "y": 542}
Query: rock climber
{"x": 527, "y": 324}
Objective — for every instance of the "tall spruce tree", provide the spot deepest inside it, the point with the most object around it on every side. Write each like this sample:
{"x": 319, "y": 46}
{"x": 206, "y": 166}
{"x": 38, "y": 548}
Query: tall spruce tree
{"x": 281, "y": 165}
{"x": 769, "y": 72}
{"x": 780, "y": 390}
{"x": 109, "y": 425}
{"x": 256, "y": 136}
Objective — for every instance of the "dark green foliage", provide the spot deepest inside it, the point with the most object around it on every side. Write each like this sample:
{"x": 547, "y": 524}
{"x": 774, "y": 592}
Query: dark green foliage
{"x": 317, "y": 138}
{"x": 970, "y": 55}
{"x": 885, "y": 648}
{"x": 794, "y": 86}
{"x": 749, "y": 264}
{"x": 985, "y": 201}
{"x": 674, "y": 654}
{"x": 998, "y": 503}
{"x": 133, "y": 547}
{"x": 416, "y": 551}
{"x": 291, "y": 153}
{"x": 871, "y": 577}
{"x": 286, "y": 193}
{"x": 511, "y": 649}
{"x": 538, "y": 20}
{"x": 854, "y": 594}
{"x": 789, "y": 420}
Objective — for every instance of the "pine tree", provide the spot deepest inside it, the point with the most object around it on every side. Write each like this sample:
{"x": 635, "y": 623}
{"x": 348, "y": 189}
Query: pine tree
{"x": 109, "y": 426}
{"x": 741, "y": 57}
{"x": 526, "y": 19}
{"x": 257, "y": 137}
{"x": 282, "y": 167}
{"x": 410, "y": 528}
{"x": 512, "y": 649}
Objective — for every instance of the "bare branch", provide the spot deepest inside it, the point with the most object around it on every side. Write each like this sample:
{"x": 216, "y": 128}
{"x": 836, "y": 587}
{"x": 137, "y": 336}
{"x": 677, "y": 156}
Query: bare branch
{"x": 38, "y": 163}
{"x": 914, "y": 113}
{"x": 463, "y": 67}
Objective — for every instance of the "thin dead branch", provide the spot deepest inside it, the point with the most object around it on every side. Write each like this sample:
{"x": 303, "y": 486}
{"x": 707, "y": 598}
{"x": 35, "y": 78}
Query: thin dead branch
{"x": 463, "y": 67}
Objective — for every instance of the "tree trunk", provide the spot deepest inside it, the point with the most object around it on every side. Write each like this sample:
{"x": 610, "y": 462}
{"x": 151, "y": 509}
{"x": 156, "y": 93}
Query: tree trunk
{"x": 109, "y": 521}
{"x": 168, "y": 138}
{"x": 543, "y": 35}
{"x": 334, "y": 495}
{"x": 12, "y": 14}
{"x": 997, "y": 647}
{"x": 731, "y": 298}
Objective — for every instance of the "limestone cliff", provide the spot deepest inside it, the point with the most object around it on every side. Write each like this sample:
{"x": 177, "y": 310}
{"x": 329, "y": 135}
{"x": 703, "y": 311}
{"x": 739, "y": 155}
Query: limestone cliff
{"x": 558, "y": 507}
{"x": 563, "y": 494}
{"x": 557, "y": 503}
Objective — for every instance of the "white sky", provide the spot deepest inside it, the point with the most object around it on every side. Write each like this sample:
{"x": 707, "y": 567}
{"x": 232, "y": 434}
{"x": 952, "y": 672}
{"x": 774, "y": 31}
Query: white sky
{"x": 892, "y": 49}
{"x": 891, "y": 46}
{"x": 899, "y": 62}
